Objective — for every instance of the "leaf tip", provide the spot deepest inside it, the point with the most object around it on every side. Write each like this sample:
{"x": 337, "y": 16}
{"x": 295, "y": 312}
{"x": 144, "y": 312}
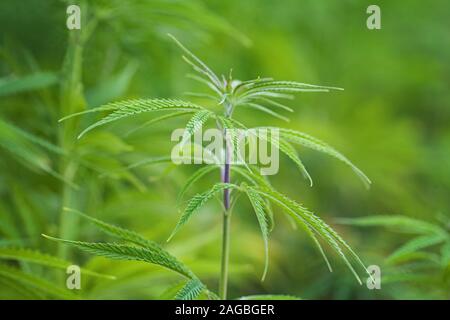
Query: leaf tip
{"x": 170, "y": 237}
{"x": 46, "y": 236}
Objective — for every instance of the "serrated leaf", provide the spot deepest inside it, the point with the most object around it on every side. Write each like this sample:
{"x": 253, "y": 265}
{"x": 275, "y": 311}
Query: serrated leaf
{"x": 158, "y": 119}
{"x": 171, "y": 291}
{"x": 125, "y": 252}
{"x": 257, "y": 180}
{"x": 132, "y": 237}
{"x": 194, "y": 124}
{"x": 310, "y": 142}
{"x": 318, "y": 245}
{"x": 289, "y": 150}
{"x": 190, "y": 291}
{"x": 129, "y": 108}
{"x": 194, "y": 178}
{"x": 197, "y": 202}
{"x": 118, "y": 232}
{"x": 258, "y": 88}
{"x": 303, "y": 215}
{"x": 259, "y": 207}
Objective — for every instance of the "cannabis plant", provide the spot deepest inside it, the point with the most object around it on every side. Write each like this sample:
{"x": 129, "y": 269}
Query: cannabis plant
{"x": 226, "y": 94}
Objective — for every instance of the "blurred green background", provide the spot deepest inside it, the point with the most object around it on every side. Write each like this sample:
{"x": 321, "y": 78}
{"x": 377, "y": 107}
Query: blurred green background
{"x": 392, "y": 121}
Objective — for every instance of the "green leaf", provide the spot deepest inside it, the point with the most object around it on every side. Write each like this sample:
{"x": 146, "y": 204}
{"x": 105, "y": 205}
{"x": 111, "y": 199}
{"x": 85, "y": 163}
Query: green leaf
{"x": 194, "y": 178}
{"x": 190, "y": 291}
{"x": 415, "y": 245}
{"x": 276, "y": 104}
{"x": 28, "y": 149}
{"x": 127, "y": 108}
{"x": 401, "y": 223}
{"x": 132, "y": 237}
{"x": 133, "y": 107}
{"x": 171, "y": 291}
{"x": 313, "y": 237}
{"x": 265, "y": 110}
{"x": 113, "y": 87}
{"x": 233, "y": 138}
{"x": 290, "y": 151}
{"x": 303, "y": 215}
{"x": 151, "y": 160}
{"x": 34, "y": 139}
{"x": 286, "y": 148}
{"x": 259, "y": 206}
{"x": 27, "y": 255}
{"x": 158, "y": 119}
{"x": 125, "y": 252}
{"x": 194, "y": 124}
{"x": 258, "y": 88}
{"x": 25, "y": 292}
{"x": 198, "y": 65}
{"x": 30, "y": 82}
{"x": 252, "y": 176}
{"x": 197, "y": 202}
{"x": 29, "y": 280}
{"x": 121, "y": 233}
{"x": 257, "y": 180}
{"x": 310, "y": 142}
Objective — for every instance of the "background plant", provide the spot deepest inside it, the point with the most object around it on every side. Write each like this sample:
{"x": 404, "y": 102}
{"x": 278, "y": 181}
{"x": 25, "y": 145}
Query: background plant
{"x": 261, "y": 94}
{"x": 392, "y": 120}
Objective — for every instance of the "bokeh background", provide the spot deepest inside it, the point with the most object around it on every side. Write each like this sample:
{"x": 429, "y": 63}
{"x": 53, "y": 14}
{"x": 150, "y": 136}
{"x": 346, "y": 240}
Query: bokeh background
{"x": 392, "y": 121}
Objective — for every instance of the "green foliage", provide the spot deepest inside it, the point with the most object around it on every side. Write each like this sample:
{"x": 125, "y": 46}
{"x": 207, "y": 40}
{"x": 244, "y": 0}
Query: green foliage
{"x": 190, "y": 291}
{"x": 125, "y": 252}
{"x": 262, "y": 214}
{"x": 36, "y": 283}
{"x": 422, "y": 261}
{"x": 308, "y": 141}
{"x": 392, "y": 120}
{"x": 232, "y": 94}
{"x": 27, "y": 255}
{"x": 197, "y": 202}
{"x": 30, "y": 82}
{"x": 133, "y": 107}
{"x": 145, "y": 250}
{"x": 28, "y": 149}
{"x": 194, "y": 178}
{"x": 303, "y": 216}
{"x": 148, "y": 251}
{"x": 194, "y": 124}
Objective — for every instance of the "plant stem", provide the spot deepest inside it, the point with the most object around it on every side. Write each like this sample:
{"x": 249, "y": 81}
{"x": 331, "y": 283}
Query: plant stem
{"x": 223, "y": 283}
{"x": 225, "y": 256}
